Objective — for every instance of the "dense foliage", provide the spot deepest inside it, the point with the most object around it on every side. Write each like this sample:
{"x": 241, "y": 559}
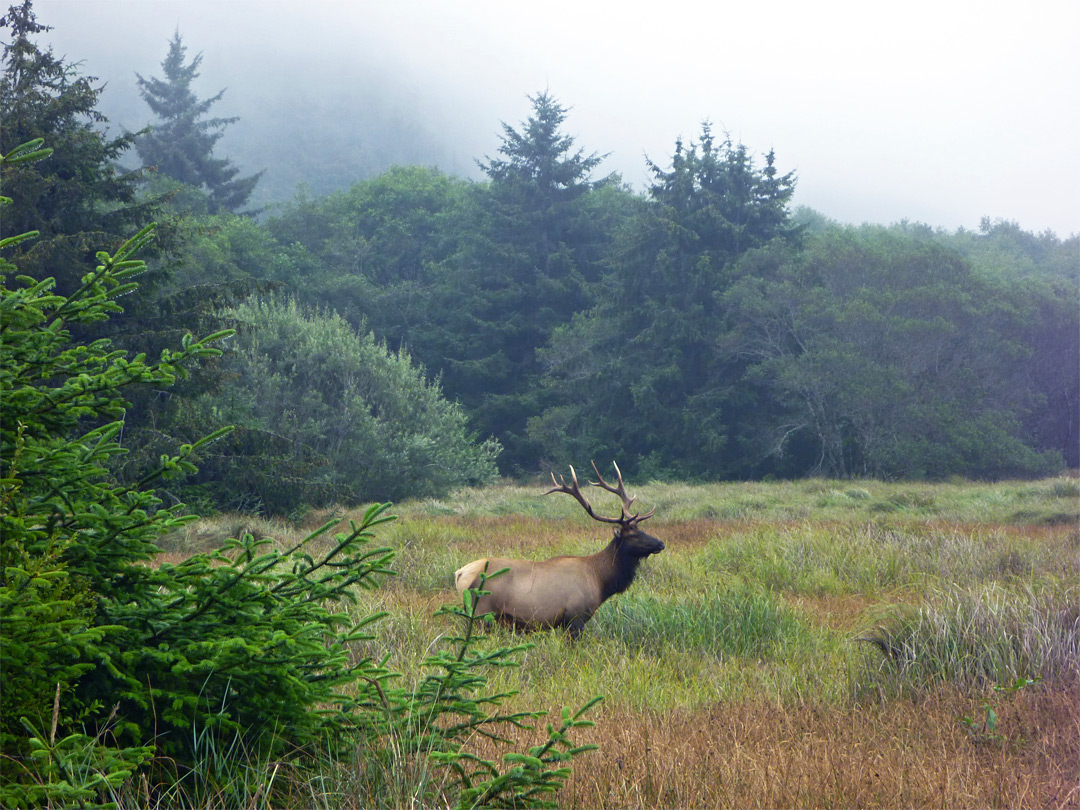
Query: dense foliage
{"x": 911, "y": 353}
{"x": 700, "y": 329}
{"x": 893, "y": 357}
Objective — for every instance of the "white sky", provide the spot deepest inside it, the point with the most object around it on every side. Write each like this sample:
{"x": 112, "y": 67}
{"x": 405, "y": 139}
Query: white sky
{"x": 937, "y": 111}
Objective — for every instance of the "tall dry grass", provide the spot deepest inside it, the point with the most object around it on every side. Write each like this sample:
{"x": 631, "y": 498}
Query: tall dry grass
{"x": 901, "y": 753}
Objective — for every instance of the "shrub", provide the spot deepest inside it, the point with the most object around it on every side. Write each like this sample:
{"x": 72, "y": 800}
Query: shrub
{"x": 327, "y": 414}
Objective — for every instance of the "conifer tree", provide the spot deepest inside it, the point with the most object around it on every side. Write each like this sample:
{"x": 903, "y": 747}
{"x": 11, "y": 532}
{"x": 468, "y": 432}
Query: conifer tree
{"x": 78, "y": 199}
{"x": 540, "y": 172}
{"x": 530, "y": 269}
{"x": 644, "y": 375}
{"x": 181, "y": 144}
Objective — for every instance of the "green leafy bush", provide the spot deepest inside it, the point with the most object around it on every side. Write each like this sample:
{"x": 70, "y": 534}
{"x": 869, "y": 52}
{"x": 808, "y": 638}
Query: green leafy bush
{"x": 326, "y": 413}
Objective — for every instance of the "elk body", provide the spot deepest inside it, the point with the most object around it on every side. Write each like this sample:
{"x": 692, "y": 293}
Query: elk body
{"x": 564, "y": 591}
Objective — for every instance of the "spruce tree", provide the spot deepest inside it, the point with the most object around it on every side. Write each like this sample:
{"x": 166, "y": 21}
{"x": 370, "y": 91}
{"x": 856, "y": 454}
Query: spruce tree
{"x": 181, "y": 144}
{"x": 78, "y": 200}
{"x": 530, "y": 269}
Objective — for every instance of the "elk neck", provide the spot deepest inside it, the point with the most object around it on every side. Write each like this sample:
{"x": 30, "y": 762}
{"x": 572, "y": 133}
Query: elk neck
{"x": 615, "y": 568}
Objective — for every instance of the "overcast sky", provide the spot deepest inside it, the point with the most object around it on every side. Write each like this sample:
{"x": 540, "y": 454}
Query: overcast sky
{"x": 937, "y": 111}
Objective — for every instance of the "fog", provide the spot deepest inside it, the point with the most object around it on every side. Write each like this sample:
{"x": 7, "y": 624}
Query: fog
{"x": 937, "y": 111}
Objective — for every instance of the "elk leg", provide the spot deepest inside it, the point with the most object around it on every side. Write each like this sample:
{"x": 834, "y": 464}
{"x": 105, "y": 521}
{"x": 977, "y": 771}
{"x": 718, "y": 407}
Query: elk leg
{"x": 576, "y": 625}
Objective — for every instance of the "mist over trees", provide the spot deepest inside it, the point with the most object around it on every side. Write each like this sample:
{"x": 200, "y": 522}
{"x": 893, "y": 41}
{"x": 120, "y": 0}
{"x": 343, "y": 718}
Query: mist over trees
{"x": 80, "y": 199}
{"x": 180, "y": 144}
{"x": 395, "y": 334}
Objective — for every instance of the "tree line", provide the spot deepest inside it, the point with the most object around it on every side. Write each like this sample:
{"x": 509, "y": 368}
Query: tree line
{"x": 420, "y": 331}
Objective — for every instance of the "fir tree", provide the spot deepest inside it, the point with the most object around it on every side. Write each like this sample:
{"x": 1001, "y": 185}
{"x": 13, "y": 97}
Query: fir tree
{"x": 181, "y": 145}
{"x": 529, "y": 269}
{"x": 78, "y": 200}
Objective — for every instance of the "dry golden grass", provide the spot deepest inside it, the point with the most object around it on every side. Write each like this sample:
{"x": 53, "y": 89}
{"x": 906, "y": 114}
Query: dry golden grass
{"x": 902, "y": 753}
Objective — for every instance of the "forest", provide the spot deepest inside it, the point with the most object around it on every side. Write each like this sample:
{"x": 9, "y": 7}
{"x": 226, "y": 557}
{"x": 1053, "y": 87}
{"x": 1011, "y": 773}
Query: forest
{"x": 420, "y": 331}
{"x": 208, "y": 406}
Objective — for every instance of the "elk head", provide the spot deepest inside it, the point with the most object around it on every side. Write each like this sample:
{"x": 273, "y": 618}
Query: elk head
{"x": 629, "y": 537}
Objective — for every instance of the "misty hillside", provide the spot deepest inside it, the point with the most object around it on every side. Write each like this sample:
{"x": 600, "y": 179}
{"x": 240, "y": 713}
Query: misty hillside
{"x": 321, "y": 137}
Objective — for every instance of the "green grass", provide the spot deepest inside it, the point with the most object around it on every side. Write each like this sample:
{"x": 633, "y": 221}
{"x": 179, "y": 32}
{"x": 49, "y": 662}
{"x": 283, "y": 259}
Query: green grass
{"x": 809, "y": 558}
{"x": 734, "y": 606}
{"x": 1048, "y": 502}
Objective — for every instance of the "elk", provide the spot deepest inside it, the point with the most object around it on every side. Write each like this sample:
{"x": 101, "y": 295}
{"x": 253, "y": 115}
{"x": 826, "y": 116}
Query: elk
{"x": 564, "y": 591}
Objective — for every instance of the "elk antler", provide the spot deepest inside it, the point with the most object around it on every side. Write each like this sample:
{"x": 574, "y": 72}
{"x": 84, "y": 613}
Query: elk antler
{"x": 575, "y": 491}
{"x": 625, "y": 520}
{"x": 621, "y": 492}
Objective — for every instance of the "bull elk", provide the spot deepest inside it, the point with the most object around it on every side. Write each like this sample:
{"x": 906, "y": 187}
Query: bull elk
{"x": 564, "y": 591}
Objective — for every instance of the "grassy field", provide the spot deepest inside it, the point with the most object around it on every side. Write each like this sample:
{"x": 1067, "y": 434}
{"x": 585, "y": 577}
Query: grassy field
{"x": 798, "y": 644}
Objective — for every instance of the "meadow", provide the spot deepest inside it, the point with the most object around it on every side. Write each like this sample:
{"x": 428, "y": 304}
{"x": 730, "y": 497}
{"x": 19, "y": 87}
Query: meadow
{"x": 798, "y": 644}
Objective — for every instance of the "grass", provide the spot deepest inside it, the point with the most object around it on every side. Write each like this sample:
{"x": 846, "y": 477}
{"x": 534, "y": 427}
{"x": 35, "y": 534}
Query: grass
{"x": 992, "y": 635}
{"x": 810, "y": 644}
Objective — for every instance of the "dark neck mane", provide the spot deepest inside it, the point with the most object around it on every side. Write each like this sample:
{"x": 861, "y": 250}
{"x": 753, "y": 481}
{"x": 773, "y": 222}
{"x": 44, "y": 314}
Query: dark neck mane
{"x": 618, "y": 569}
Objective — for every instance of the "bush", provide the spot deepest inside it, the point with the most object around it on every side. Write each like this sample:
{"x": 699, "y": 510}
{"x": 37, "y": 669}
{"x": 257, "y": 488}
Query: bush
{"x": 327, "y": 414}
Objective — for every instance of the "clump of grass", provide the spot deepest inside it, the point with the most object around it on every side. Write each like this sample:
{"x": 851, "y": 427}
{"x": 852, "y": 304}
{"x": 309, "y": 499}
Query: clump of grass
{"x": 733, "y": 621}
{"x": 209, "y": 534}
{"x": 1067, "y": 488}
{"x": 994, "y": 635}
